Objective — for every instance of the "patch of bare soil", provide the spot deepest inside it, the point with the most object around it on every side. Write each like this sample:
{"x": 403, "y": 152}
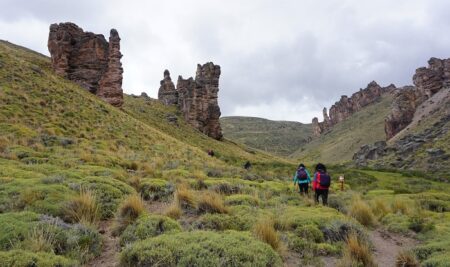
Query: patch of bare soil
{"x": 110, "y": 249}
{"x": 156, "y": 207}
{"x": 388, "y": 245}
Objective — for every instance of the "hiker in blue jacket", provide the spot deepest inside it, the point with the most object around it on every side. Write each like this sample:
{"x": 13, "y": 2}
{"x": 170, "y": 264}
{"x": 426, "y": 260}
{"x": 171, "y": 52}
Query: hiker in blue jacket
{"x": 303, "y": 179}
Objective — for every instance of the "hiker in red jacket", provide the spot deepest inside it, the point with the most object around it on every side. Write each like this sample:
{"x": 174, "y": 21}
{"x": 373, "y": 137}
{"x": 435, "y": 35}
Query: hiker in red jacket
{"x": 321, "y": 183}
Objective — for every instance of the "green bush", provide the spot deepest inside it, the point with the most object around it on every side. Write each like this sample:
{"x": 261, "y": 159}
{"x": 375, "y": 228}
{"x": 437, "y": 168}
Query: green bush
{"x": 155, "y": 189}
{"x": 338, "y": 230}
{"x": 15, "y": 227}
{"x": 200, "y": 248}
{"x": 148, "y": 226}
{"x": 221, "y": 222}
{"x": 310, "y": 232}
{"x": 22, "y": 258}
{"x": 397, "y": 223}
{"x": 242, "y": 200}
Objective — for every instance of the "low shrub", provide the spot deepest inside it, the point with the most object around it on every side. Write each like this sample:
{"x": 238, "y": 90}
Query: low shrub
{"x": 221, "y": 222}
{"x": 148, "y": 226}
{"x": 265, "y": 231}
{"x": 310, "y": 232}
{"x": 19, "y": 257}
{"x": 200, "y": 248}
{"x": 15, "y": 226}
{"x": 339, "y": 230}
{"x": 210, "y": 202}
{"x": 155, "y": 189}
{"x": 82, "y": 208}
{"x": 397, "y": 223}
{"x": 130, "y": 209}
{"x": 242, "y": 200}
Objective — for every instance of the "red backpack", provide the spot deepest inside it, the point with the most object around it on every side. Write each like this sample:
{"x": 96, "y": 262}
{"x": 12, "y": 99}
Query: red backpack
{"x": 324, "y": 179}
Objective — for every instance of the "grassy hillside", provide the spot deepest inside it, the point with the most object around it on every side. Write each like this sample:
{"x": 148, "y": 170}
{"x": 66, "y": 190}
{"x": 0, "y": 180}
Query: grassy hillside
{"x": 277, "y": 137}
{"x": 344, "y": 139}
{"x": 80, "y": 178}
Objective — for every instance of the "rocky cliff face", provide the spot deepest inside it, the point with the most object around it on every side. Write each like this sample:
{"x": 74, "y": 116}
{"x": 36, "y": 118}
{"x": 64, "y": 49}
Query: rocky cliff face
{"x": 346, "y": 106}
{"x": 427, "y": 81}
{"x": 88, "y": 59}
{"x": 167, "y": 92}
{"x": 196, "y": 98}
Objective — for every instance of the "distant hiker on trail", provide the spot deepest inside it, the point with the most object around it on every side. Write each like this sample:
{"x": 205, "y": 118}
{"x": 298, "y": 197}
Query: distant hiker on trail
{"x": 247, "y": 165}
{"x": 303, "y": 179}
{"x": 211, "y": 152}
{"x": 321, "y": 183}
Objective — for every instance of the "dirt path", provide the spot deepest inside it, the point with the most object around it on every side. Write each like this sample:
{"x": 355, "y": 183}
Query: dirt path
{"x": 110, "y": 250}
{"x": 388, "y": 245}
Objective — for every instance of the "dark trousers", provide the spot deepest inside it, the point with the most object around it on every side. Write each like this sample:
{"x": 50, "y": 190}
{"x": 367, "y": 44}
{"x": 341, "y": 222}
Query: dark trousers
{"x": 303, "y": 188}
{"x": 324, "y": 194}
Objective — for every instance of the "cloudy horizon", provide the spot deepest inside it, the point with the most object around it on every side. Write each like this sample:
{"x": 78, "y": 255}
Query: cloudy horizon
{"x": 281, "y": 60}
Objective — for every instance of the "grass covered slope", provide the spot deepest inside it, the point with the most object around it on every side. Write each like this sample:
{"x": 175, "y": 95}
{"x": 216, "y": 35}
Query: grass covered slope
{"x": 278, "y": 137}
{"x": 345, "y": 138}
{"x": 79, "y": 179}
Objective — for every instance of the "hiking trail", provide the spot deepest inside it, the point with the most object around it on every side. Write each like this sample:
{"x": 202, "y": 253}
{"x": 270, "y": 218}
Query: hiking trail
{"x": 110, "y": 249}
{"x": 387, "y": 246}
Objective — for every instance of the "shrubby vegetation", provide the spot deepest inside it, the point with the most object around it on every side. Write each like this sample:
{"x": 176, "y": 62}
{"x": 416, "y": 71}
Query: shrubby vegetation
{"x": 67, "y": 170}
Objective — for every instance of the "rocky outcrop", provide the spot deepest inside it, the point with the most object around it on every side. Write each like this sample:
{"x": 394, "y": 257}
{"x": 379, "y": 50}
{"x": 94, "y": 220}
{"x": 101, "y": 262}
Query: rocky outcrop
{"x": 88, "y": 59}
{"x": 198, "y": 100}
{"x": 403, "y": 108}
{"x": 428, "y": 81}
{"x": 432, "y": 79}
{"x": 167, "y": 92}
{"x": 370, "y": 152}
{"x": 346, "y": 106}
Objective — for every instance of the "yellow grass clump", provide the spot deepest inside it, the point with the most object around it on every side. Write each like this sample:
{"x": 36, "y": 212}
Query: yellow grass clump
{"x": 173, "y": 211}
{"x": 130, "y": 209}
{"x": 357, "y": 253}
{"x": 211, "y": 202}
{"x": 83, "y": 208}
{"x": 362, "y": 213}
{"x": 406, "y": 259}
{"x": 264, "y": 230}
{"x": 185, "y": 197}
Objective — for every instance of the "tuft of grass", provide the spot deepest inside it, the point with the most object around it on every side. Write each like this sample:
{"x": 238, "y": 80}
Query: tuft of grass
{"x": 211, "y": 202}
{"x": 130, "y": 209}
{"x": 362, "y": 213}
{"x": 379, "y": 208}
{"x": 83, "y": 208}
{"x": 185, "y": 198}
{"x": 41, "y": 238}
{"x": 406, "y": 259}
{"x": 265, "y": 231}
{"x": 357, "y": 253}
{"x": 401, "y": 206}
{"x": 173, "y": 211}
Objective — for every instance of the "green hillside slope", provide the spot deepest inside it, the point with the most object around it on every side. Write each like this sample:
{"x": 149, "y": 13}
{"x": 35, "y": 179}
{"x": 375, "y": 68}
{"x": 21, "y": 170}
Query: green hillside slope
{"x": 278, "y": 137}
{"x": 345, "y": 138}
{"x": 85, "y": 184}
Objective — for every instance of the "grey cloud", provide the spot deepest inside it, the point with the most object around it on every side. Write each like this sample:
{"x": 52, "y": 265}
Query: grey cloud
{"x": 272, "y": 53}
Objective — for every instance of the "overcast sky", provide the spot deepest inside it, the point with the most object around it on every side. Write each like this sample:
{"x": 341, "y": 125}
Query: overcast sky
{"x": 282, "y": 60}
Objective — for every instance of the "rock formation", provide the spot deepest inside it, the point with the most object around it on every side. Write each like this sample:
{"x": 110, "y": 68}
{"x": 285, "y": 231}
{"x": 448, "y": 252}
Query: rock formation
{"x": 88, "y": 59}
{"x": 346, "y": 106}
{"x": 196, "y": 98}
{"x": 167, "y": 92}
{"x": 428, "y": 81}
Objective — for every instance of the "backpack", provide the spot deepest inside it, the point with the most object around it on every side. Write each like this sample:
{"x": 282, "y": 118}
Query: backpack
{"x": 324, "y": 179}
{"x": 301, "y": 174}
